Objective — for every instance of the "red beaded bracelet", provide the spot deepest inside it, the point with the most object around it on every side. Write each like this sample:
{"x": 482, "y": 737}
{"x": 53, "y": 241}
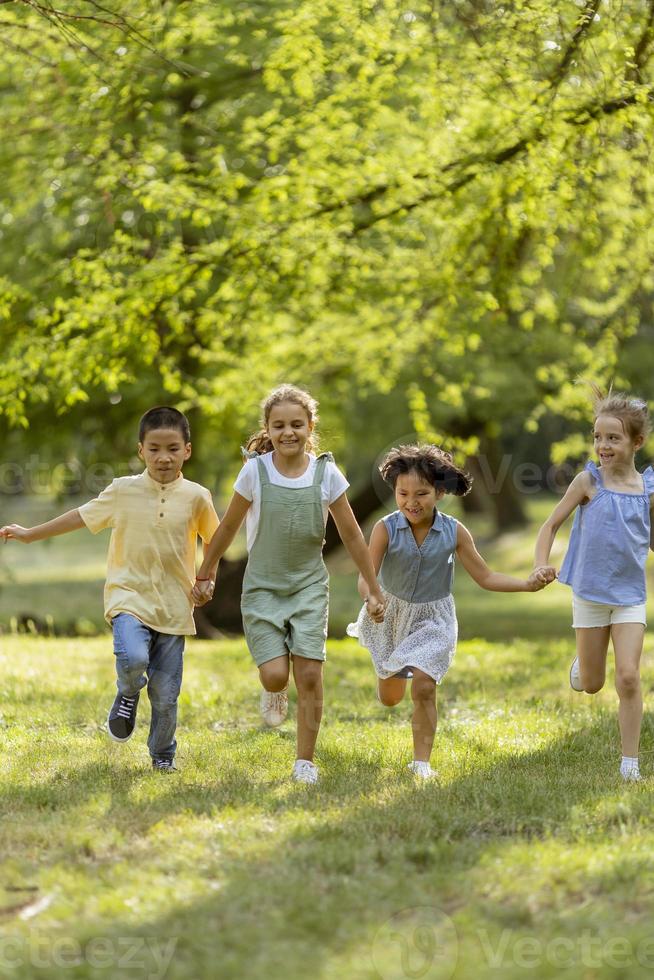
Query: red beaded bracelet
{"x": 202, "y": 579}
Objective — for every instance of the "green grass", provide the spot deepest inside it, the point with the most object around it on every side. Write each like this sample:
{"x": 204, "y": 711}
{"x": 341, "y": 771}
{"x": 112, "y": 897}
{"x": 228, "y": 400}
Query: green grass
{"x": 528, "y": 859}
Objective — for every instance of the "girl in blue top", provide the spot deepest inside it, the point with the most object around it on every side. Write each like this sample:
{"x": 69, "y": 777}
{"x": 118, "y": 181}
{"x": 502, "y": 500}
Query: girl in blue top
{"x": 605, "y": 561}
{"x": 413, "y": 551}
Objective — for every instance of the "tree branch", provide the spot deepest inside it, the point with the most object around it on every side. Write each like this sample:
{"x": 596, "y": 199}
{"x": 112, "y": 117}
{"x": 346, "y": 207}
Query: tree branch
{"x": 476, "y": 163}
{"x": 583, "y": 26}
{"x": 61, "y": 19}
{"x": 641, "y": 49}
{"x": 19, "y": 49}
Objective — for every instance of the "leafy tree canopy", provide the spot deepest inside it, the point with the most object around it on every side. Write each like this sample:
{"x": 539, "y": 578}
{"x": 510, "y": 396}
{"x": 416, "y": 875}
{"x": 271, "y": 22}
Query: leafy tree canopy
{"x": 447, "y": 204}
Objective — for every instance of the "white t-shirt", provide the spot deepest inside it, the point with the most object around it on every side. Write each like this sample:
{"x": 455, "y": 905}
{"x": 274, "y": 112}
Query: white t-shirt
{"x": 248, "y": 485}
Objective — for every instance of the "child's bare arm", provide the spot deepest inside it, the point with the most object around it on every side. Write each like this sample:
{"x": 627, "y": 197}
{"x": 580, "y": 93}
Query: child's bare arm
{"x": 576, "y": 494}
{"x": 70, "y": 521}
{"x": 377, "y": 547}
{"x": 220, "y": 542}
{"x": 213, "y": 569}
{"x": 484, "y": 576}
{"x": 353, "y": 539}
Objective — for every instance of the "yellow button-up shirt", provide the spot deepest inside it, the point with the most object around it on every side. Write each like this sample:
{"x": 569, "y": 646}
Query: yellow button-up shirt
{"x": 151, "y": 560}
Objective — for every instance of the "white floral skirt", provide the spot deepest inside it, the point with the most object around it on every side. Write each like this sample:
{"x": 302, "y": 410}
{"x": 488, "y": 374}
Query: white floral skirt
{"x": 413, "y": 634}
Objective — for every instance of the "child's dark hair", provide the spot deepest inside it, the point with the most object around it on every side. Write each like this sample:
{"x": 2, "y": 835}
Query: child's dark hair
{"x": 632, "y": 412}
{"x": 164, "y": 417}
{"x": 260, "y": 442}
{"x": 432, "y": 464}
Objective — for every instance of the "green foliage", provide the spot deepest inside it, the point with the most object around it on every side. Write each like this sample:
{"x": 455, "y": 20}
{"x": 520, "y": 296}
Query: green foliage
{"x": 445, "y": 204}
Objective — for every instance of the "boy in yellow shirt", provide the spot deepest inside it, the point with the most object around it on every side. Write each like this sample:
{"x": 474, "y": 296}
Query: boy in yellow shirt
{"x": 155, "y": 519}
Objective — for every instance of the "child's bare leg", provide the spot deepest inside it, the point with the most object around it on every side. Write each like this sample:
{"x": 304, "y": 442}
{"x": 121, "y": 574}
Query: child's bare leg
{"x": 592, "y": 647}
{"x": 391, "y": 690}
{"x": 308, "y": 681}
{"x": 274, "y": 674}
{"x": 628, "y": 645}
{"x": 423, "y": 694}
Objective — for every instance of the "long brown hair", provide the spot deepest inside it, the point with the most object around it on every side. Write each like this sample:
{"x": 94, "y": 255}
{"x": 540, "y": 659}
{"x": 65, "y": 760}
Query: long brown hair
{"x": 260, "y": 442}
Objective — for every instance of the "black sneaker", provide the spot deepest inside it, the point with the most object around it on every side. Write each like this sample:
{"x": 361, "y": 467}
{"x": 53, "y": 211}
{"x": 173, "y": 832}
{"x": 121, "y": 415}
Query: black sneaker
{"x": 122, "y": 717}
{"x": 164, "y": 765}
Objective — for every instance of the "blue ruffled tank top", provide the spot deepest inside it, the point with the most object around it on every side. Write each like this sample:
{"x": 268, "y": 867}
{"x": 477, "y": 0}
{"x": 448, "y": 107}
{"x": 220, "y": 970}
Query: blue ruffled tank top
{"x": 609, "y": 542}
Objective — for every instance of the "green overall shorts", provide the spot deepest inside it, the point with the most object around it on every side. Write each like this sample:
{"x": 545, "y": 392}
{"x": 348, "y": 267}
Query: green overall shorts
{"x": 286, "y": 587}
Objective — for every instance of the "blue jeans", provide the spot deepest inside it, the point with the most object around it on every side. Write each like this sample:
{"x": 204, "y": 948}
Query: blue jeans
{"x": 144, "y": 656}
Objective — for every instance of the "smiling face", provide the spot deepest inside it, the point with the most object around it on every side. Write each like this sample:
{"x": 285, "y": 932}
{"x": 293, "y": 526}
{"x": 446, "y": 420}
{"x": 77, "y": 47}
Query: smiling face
{"x": 289, "y": 428}
{"x": 416, "y": 498}
{"x": 164, "y": 452}
{"x": 613, "y": 445}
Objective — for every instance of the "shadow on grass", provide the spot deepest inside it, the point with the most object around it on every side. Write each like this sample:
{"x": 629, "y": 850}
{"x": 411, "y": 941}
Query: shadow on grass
{"x": 288, "y": 906}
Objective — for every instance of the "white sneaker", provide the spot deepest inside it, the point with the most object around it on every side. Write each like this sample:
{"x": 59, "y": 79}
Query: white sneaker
{"x": 305, "y": 771}
{"x": 274, "y": 706}
{"x": 631, "y": 775}
{"x": 422, "y": 770}
{"x": 575, "y": 676}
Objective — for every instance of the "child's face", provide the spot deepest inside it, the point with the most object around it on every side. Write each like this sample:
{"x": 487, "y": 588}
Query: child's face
{"x": 612, "y": 444}
{"x": 416, "y": 498}
{"x": 289, "y": 428}
{"x": 164, "y": 452}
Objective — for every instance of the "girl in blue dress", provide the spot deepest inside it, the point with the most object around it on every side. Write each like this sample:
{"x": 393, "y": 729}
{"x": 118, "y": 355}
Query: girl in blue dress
{"x": 605, "y": 561}
{"x": 413, "y": 551}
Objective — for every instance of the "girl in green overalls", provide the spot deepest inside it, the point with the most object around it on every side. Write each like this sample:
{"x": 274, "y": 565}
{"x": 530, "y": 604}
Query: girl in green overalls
{"x": 285, "y": 492}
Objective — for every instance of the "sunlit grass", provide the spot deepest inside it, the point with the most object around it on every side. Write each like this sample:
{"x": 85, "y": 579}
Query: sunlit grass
{"x": 237, "y": 872}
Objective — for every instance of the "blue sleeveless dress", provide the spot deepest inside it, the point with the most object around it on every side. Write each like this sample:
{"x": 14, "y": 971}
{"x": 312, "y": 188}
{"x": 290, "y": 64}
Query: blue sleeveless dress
{"x": 420, "y": 627}
{"x": 609, "y": 542}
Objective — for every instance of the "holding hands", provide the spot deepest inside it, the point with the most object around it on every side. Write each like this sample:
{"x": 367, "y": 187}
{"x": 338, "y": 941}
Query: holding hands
{"x": 376, "y": 606}
{"x": 540, "y": 577}
{"x": 202, "y": 591}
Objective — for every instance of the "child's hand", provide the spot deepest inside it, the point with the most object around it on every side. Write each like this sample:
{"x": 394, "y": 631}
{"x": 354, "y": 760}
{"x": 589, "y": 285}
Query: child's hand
{"x": 202, "y": 592}
{"x": 545, "y": 573}
{"x": 23, "y": 534}
{"x": 540, "y": 578}
{"x": 376, "y": 607}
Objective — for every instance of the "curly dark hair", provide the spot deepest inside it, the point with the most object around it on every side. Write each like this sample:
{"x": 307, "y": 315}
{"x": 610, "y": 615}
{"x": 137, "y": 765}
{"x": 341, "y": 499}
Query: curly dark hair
{"x": 434, "y": 465}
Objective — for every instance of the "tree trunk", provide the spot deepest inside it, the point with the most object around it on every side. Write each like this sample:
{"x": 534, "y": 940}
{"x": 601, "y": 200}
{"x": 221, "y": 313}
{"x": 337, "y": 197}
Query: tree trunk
{"x": 475, "y": 501}
{"x": 497, "y": 478}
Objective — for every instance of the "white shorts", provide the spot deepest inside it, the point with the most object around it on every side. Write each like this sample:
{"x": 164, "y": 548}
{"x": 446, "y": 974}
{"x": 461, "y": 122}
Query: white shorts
{"x": 586, "y": 614}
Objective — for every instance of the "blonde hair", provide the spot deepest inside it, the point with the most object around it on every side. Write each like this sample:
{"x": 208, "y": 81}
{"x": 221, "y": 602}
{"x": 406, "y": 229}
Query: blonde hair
{"x": 632, "y": 412}
{"x": 260, "y": 442}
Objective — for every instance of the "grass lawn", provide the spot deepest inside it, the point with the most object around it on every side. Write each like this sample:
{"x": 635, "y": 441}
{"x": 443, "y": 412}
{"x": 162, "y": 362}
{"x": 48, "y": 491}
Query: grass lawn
{"x": 528, "y": 859}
